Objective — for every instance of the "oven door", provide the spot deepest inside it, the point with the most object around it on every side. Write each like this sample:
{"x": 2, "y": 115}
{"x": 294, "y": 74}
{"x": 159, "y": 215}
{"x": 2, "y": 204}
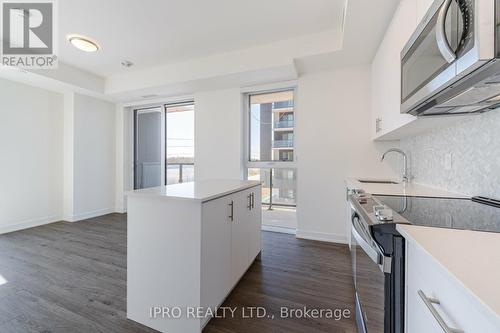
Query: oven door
{"x": 443, "y": 48}
{"x": 369, "y": 279}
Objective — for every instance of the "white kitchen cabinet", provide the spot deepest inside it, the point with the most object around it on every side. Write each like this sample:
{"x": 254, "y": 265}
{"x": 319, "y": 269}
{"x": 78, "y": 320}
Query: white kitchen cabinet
{"x": 239, "y": 238}
{"x": 255, "y": 223}
{"x": 216, "y": 251}
{"x": 245, "y": 231}
{"x": 457, "y": 307}
{"x": 386, "y": 73}
{"x": 188, "y": 245}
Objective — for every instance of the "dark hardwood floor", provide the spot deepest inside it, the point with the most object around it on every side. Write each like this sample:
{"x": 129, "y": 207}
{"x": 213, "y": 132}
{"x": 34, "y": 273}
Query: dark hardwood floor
{"x": 71, "y": 277}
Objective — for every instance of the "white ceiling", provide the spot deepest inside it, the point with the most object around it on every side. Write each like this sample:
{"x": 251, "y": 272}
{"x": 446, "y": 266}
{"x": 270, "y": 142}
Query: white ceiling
{"x": 153, "y": 32}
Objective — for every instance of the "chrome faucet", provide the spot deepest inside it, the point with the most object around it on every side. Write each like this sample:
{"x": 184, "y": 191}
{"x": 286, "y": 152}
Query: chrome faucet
{"x": 406, "y": 175}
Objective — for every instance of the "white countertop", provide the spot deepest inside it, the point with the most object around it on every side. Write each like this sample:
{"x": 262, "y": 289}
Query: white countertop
{"x": 198, "y": 191}
{"x": 413, "y": 190}
{"x": 472, "y": 257}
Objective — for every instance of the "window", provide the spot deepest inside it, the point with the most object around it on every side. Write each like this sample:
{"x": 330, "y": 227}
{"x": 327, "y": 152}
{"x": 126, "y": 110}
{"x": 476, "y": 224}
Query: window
{"x": 271, "y": 120}
{"x": 271, "y": 146}
{"x": 179, "y": 143}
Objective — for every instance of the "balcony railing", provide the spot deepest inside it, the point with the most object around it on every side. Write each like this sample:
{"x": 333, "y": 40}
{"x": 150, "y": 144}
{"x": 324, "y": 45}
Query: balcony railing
{"x": 283, "y": 143}
{"x": 273, "y": 183}
{"x": 283, "y": 124}
{"x": 283, "y": 105}
{"x": 179, "y": 173}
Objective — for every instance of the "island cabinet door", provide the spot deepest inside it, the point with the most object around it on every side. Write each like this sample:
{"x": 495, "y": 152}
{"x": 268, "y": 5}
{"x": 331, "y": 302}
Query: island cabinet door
{"x": 239, "y": 235}
{"x": 216, "y": 280}
{"x": 255, "y": 224}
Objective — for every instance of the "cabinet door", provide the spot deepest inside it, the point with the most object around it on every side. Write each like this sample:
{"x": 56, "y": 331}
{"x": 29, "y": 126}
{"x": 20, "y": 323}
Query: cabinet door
{"x": 455, "y": 305}
{"x": 255, "y": 224}
{"x": 215, "y": 252}
{"x": 239, "y": 236}
{"x": 386, "y": 74}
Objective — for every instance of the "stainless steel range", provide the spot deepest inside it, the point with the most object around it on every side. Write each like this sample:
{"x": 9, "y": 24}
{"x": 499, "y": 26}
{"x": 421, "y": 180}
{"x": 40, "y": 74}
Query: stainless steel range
{"x": 378, "y": 250}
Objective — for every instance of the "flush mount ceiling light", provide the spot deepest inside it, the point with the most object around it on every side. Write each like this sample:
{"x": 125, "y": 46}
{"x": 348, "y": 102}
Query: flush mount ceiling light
{"x": 83, "y": 43}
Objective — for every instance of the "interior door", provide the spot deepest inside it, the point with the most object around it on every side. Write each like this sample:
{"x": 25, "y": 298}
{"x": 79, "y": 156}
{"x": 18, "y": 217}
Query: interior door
{"x": 148, "y": 161}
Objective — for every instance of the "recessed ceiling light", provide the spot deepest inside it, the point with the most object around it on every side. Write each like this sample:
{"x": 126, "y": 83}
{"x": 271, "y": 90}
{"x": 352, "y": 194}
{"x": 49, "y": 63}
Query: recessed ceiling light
{"x": 83, "y": 43}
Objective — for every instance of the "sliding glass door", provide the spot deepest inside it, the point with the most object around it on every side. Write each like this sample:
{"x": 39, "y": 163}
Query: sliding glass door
{"x": 148, "y": 148}
{"x": 164, "y": 145}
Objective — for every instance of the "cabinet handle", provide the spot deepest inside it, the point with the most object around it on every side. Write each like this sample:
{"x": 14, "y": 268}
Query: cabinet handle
{"x": 429, "y": 303}
{"x": 253, "y": 200}
{"x": 231, "y": 215}
{"x": 249, "y": 202}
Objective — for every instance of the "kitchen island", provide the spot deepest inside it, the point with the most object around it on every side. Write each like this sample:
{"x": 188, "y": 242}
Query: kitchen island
{"x": 187, "y": 247}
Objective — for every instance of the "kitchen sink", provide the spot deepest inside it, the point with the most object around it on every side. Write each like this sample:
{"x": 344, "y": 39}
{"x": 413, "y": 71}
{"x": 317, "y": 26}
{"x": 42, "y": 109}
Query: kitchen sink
{"x": 377, "y": 181}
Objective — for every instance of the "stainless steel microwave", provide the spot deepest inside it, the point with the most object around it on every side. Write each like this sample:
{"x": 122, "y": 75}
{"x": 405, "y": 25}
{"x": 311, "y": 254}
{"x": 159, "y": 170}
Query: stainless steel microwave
{"x": 451, "y": 63}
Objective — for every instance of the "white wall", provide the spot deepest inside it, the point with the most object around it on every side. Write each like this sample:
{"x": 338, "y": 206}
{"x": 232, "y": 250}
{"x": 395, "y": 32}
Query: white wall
{"x": 333, "y": 142}
{"x": 57, "y": 156}
{"x": 218, "y": 134}
{"x": 94, "y": 157}
{"x": 31, "y": 155}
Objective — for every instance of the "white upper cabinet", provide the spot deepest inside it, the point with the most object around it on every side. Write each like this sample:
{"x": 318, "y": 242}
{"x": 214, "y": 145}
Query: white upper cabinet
{"x": 386, "y": 74}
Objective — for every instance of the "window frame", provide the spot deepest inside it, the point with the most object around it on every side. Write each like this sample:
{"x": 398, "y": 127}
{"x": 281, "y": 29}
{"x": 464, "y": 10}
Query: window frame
{"x": 165, "y": 138}
{"x": 247, "y": 163}
{"x": 247, "y": 132}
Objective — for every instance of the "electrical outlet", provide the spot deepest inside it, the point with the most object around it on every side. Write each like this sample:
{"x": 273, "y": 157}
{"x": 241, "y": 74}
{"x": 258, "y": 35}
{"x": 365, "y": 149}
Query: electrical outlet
{"x": 448, "y": 161}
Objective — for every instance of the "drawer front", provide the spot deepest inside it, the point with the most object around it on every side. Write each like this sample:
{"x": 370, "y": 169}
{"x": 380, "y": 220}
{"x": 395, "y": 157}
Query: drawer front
{"x": 433, "y": 295}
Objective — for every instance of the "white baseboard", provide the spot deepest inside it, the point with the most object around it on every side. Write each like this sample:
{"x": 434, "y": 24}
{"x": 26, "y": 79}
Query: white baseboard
{"x": 29, "y": 224}
{"x": 278, "y": 229}
{"x": 322, "y": 236}
{"x": 120, "y": 210}
{"x": 89, "y": 215}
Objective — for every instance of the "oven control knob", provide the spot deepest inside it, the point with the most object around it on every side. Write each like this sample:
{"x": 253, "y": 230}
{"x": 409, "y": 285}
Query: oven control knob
{"x": 384, "y": 214}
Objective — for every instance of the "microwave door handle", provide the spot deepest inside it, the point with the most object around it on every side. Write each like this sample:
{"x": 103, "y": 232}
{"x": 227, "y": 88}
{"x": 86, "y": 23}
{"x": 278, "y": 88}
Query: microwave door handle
{"x": 442, "y": 42}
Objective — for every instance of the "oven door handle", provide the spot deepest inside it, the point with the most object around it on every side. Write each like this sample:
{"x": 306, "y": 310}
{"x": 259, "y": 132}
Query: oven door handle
{"x": 383, "y": 262}
{"x": 441, "y": 39}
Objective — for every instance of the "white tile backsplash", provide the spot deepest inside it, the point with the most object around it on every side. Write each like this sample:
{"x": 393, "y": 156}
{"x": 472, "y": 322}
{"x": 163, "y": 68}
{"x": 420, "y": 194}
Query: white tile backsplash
{"x": 462, "y": 158}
